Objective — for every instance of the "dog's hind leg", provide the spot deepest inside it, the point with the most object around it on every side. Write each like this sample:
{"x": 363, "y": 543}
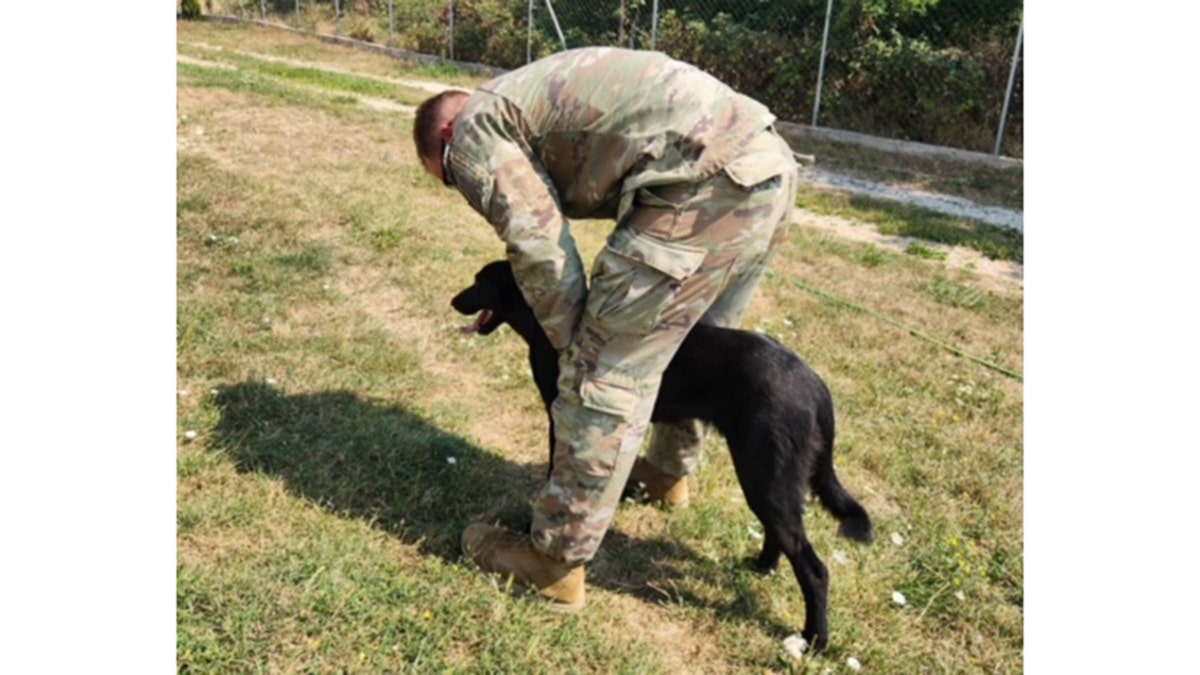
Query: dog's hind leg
{"x": 778, "y": 502}
{"x": 781, "y": 515}
{"x": 814, "y": 582}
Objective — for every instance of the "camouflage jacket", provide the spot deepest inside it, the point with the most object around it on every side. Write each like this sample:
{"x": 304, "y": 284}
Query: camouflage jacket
{"x": 575, "y": 135}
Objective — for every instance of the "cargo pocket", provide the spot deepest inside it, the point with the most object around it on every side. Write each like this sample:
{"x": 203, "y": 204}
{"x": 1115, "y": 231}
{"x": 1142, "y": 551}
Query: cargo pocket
{"x": 609, "y": 396}
{"x": 636, "y": 278}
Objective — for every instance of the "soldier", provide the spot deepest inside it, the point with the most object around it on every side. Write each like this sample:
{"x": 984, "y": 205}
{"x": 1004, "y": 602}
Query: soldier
{"x": 701, "y": 189}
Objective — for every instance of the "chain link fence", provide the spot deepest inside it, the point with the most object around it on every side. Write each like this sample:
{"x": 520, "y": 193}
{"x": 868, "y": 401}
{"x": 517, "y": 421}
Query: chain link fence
{"x": 943, "y": 72}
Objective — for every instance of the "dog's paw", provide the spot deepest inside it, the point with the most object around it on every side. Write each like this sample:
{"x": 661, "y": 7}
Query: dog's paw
{"x": 766, "y": 568}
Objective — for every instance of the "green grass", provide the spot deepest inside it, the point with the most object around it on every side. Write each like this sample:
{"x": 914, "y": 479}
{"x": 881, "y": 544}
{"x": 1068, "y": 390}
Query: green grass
{"x": 253, "y": 83}
{"x": 439, "y": 71}
{"x": 955, "y": 295}
{"x": 346, "y": 432}
{"x": 316, "y": 77}
{"x": 922, "y": 251}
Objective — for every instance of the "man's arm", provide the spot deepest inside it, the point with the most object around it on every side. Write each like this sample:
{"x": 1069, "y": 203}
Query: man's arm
{"x": 496, "y": 171}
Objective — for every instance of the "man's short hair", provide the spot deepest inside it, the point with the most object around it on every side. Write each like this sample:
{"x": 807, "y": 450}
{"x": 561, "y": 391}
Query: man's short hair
{"x": 425, "y": 126}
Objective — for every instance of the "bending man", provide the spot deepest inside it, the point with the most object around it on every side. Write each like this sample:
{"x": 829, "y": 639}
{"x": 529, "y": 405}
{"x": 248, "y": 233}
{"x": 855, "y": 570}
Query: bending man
{"x": 701, "y": 189}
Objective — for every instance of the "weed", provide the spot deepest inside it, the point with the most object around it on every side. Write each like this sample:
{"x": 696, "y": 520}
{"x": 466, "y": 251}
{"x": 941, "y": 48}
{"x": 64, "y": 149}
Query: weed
{"x": 923, "y": 251}
{"x": 953, "y": 294}
{"x": 872, "y": 256}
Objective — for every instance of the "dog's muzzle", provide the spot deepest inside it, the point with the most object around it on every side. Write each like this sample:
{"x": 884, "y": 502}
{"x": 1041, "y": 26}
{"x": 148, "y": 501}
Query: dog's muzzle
{"x": 481, "y": 324}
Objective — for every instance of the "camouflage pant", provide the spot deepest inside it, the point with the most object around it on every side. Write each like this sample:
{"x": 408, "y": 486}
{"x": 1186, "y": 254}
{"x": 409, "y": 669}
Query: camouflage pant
{"x": 686, "y": 254}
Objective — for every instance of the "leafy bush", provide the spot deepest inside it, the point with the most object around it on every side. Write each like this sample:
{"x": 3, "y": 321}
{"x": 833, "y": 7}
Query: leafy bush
{"x": 491, "y": 32}
{"x": 780, "y": 71}
{"x": 360, "y": 28}
{"x": 920, "y": 86}
{"x": 934, "y": 71}
{"x": 190, "y": 9}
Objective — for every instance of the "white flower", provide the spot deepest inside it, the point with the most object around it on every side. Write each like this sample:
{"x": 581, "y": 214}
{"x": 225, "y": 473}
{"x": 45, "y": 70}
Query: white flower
{"x": 452, "y": 460}
{"x": 898, "y": 598}
{"x": 897, "y": 539}
{"x": 266, "y": 321}
{"x": 183, "y": 393}
{"x": 753, "y": 532}
{"x": 189, "y": 434}
{"x": 853, "y": 664}
{"x": 839, "y": 557}
{"x": 960, "y": 595}
{"x": 795, "y": 645}
{"x": 215, "y": 392}
{"x": 272, "y": 381}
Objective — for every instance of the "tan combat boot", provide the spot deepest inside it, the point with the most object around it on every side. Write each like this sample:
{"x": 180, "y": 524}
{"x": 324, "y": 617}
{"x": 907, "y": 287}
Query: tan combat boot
{"x": 658, "y": 486}
{"x": 499, "y": 551}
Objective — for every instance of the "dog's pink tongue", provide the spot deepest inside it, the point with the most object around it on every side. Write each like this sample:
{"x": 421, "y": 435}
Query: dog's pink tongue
{"x": 480, "y": 319}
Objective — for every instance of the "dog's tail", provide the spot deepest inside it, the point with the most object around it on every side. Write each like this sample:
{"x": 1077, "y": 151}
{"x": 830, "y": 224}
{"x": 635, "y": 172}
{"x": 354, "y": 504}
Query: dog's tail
{"x": 854, "y": 522}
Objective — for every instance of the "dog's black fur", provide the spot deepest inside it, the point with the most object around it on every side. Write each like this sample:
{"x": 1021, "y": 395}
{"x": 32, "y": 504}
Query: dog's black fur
{"x": 775, "y": 413}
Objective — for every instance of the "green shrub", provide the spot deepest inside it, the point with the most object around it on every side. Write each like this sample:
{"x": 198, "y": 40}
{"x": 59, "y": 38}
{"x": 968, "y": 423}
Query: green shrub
{"x": 360, "y": 28}
{"x": 778, "y": 70}
{"x": 190, "y": 9}
{"x": 878, "y": 79}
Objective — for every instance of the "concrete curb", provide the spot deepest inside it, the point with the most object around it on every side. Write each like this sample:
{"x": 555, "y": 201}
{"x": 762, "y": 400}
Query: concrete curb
{"x": 798, "y": 133}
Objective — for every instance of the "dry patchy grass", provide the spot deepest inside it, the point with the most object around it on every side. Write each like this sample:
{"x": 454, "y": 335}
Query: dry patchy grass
{"x": 318, "y": 507}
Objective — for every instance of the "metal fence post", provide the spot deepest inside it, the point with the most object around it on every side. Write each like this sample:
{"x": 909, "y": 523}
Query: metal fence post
{"x": 1012, "y": 78}
{"x": 337, "y": 17}
{"x": 654, "y": 25}
{"x": 297, "y": 14}
{"x": 451, "y": 30}
{"x": 821, "y": 68}
{"x": 262, "y": 8}
{"x": 391, "y": 25}
{"x": 557, "y": 28}
{"x": 529, "y": 36}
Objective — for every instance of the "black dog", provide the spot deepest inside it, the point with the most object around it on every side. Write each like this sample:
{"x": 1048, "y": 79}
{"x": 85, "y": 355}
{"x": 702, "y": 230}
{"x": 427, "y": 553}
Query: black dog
{"x": 775, "y": 413}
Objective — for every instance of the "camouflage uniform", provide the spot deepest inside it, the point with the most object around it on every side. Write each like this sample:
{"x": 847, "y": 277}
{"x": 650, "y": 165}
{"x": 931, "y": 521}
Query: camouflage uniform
{"x": 701, "y": 189}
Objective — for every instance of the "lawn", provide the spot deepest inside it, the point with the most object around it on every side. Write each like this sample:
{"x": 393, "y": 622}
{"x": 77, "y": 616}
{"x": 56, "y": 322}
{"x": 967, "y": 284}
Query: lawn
{"x": 336, "y": 432}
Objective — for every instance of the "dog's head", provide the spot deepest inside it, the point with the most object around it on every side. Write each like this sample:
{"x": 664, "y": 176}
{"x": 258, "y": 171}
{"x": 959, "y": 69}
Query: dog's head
{"x": 491, "y": 298}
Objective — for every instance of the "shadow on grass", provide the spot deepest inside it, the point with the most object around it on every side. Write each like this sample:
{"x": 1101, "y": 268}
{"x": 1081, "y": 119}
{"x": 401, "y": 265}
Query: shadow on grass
{"x": 663, "y": 571}
{"x": 386, "y": 465}
{"x": 374, "y": 462}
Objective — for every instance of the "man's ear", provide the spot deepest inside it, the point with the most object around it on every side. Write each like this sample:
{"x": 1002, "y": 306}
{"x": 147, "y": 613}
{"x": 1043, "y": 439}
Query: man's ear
{"x": 446, "y": 131}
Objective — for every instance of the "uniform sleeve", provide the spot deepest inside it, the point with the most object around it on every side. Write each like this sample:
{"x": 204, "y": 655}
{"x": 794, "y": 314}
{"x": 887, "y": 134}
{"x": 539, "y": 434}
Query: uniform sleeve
{"x": 494, "y": 168}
